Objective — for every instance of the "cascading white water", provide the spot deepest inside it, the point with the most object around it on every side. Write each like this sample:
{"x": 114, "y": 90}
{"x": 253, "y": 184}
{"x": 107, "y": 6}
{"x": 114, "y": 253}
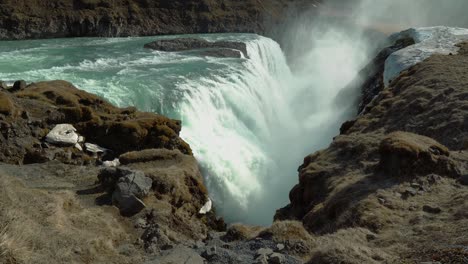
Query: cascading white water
{"x": 249, "y": 122}
{"x": 251, "y": 128}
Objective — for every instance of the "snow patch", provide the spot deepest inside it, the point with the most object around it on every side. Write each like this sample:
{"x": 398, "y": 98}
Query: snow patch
{"x": 429, "y": 41}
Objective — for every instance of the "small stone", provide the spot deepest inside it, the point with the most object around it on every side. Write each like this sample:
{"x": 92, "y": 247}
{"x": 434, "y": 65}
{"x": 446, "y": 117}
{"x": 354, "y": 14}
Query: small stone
{"x": 382, "y": 201}
{"x": 434, "y": 178}
{"x": 93, "y": 148}
{"x": 431, "y": 209}
{"x": 111, "y": 163}
{"x": 210, "y": 252}
{"x": 264, "y": 251}
{"x": 140, "y": 223}
{"x": 25, "y": 115}
{"x": 409, "y": 192}
{"x": 78, "y": 146}
{"x": 262, "y": 259}
{"x": 276, "y": 258}
{"x": 415, "y": 185}
{"x": 198, "y": 245}
{"x": 280, "y": 247}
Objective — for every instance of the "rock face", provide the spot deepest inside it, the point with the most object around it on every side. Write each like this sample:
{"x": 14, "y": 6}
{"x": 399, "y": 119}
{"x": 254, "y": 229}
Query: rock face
{"x": 21, "y": 19}
{"x": 214, "y": 49}
{"x": 398, "y": 168}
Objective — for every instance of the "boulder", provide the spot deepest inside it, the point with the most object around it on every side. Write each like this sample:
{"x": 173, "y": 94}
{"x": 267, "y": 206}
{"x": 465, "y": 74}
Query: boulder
{"x": 217, "y": 49}
{"x": 18, "y": 85}
{"x": 63, "y": 134}
{"x": 127, "y": 187}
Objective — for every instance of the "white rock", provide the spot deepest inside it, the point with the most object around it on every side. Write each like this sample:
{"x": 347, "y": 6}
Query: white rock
{"x": 78, "y": 146}
{"x": 429, "y": 41}
{"x": 63, "y": 134}
{"x": 93, "y": 148}
{"x": 207, "y": 207}
{"x": 111, "y": 163}
{"x": 81, "y": 139}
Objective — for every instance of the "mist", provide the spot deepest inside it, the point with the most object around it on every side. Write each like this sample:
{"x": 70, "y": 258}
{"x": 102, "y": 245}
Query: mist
{"x": 326, "y": 47}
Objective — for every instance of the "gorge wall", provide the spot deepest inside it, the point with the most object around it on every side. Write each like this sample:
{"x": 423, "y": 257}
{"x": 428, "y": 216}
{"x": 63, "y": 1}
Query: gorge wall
{"x": 119, "y": 18}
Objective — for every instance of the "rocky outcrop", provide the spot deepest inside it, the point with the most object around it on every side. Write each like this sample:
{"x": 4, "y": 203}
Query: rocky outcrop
{"x": 396, "y": 169}
{"x": 222, "y": 49}
{"x": 21, "y": 19}
{"x": 29, "y": 114}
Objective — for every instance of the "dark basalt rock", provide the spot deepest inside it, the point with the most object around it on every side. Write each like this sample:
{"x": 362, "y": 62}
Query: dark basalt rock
{"x": 215, "y": 49}
{"x": 25, "y": 19}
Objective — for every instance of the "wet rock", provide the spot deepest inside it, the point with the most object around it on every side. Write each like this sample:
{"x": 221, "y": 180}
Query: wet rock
{"x": 222, "y": 53}
{"x": 217, "y": 49}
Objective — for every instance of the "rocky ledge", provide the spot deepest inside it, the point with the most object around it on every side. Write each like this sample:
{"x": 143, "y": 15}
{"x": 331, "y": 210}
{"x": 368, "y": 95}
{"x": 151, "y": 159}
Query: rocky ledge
{"x": 222, "y": 49}
{"x": 392, "y": 187}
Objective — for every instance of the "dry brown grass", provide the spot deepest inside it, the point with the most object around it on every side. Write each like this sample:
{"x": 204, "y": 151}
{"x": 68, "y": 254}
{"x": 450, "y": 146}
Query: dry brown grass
{"x": 39, "y": 226}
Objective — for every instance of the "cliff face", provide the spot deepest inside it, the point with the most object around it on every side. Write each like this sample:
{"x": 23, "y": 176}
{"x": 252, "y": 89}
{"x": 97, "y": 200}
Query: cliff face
{"x": 398, "y": 171}
{"x": 21, "y": 19}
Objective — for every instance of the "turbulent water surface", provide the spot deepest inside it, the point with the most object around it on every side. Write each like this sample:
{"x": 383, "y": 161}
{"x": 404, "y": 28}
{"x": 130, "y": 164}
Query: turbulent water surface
{"x": 249, "y": 121}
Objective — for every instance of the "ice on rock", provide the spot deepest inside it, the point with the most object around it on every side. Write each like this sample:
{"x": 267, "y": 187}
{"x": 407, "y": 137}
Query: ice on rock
{"x": 428, "y": 41}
